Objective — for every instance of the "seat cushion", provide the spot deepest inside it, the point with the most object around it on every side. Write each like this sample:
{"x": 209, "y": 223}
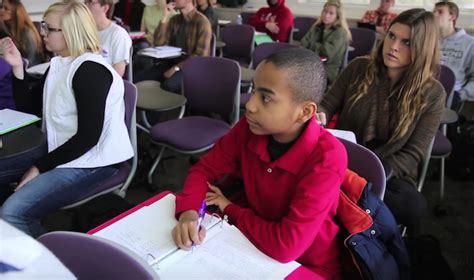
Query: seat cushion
{"x": 189, "y": 133}
{"x": 109, "y": 183}
{"x": 442, "y": 146}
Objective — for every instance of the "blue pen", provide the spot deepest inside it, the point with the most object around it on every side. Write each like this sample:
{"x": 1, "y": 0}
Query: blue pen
{"x": 202, "y": 213}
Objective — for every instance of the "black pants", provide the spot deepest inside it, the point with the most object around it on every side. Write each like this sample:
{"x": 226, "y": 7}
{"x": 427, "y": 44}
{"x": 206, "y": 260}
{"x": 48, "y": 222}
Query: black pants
{"x": 406, "y": 203}
{"x": 156, "y": 73}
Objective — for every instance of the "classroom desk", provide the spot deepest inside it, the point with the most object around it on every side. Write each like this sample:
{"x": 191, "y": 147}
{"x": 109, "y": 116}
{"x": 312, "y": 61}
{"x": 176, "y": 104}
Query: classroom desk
{"x": 151, "y": 97}
{"x": 21, "y": 140}
{"x": 449, "y": 116}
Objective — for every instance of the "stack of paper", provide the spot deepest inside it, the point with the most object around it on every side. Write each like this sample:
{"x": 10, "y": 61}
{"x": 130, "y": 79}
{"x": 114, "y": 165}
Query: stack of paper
{"x": 11, "y": 120}
{"x": 162, "y": 52}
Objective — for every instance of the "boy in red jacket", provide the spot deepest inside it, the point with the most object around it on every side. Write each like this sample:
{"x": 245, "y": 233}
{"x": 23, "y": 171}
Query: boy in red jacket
{"x": 275, "y": 20}
{"x": 291, "y": 167}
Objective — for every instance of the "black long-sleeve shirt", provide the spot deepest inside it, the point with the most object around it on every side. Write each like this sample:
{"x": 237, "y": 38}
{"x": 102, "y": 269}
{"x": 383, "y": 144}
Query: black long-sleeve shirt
{"x": 90, "y": 84}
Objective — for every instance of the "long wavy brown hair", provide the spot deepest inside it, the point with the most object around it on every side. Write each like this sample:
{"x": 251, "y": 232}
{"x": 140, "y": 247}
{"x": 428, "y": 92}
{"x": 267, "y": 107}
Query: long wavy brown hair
{"x": 18, "y": 24}
{"x": 424, "y": 65}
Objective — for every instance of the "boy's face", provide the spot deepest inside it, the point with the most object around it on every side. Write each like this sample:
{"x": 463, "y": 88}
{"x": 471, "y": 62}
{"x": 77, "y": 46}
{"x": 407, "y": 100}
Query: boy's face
{"x": 271, "y": 110}
{"x": 443, "y": 17}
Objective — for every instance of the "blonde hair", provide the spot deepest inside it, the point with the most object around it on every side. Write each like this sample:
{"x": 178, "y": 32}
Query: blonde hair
{"x": 424, "y": 52}
{"x": 341, "y": 19}
{"x": 78, "y": 27}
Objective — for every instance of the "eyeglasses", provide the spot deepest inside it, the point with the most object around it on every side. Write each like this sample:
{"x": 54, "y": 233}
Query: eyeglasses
{"x": 46, "y": 29}
{"x": 90, "y": 3}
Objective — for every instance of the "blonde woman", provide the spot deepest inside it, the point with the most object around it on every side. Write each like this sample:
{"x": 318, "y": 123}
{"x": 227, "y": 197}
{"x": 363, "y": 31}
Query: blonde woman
{"x": 329, "y": 38}
{"x": 394, "y": 105}
{"x": 83, "y": 118}
{"x": 152, "y": 15}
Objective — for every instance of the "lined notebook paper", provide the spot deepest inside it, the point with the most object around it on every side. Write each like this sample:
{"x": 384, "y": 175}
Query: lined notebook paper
{"x": 225, "y": 254}
{"x": 11, "y": 120}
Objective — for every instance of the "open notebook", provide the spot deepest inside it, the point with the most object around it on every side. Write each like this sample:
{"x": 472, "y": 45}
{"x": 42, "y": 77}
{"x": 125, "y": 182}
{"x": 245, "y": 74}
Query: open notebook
{"x": 11, "y": 120}
{"x": 225, "y": 254}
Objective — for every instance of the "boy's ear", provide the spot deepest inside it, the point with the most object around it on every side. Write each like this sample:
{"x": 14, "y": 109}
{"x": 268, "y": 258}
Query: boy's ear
{"x": 308, "y": 111}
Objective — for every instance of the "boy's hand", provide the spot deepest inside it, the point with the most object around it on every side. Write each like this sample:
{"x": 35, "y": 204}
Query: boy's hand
{"x": 185, "y": 234}
{"x": 215, "y": 197}
{"x": 168, "y": 11}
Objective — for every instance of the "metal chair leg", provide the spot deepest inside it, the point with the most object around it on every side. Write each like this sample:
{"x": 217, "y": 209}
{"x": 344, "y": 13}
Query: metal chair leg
{"x": 155, "y": 164}
{"x": 442, "y": 182}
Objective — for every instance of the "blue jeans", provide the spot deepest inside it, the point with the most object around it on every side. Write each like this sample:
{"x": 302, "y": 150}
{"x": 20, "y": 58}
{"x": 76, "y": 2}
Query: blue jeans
{"x": 48, "y": 192}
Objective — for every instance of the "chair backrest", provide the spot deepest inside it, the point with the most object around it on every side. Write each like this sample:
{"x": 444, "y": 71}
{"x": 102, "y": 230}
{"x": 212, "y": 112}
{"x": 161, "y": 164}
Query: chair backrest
{"x": 213, "y": 44}
{"x": 302, "y": 25}
{"x": 447, "y": 78}
{"x": 212, "y": 85}
{"x": 365, "y": 163}
{"x": 91, "y": 257}
{"x": 239, "y": 42}
{"x": 363, "y": 41}
{"x": 246, "y": 17}
{"x": 263, "y": 50}
{"x": 128, "y": 75}
{"x": 122, "y": 180}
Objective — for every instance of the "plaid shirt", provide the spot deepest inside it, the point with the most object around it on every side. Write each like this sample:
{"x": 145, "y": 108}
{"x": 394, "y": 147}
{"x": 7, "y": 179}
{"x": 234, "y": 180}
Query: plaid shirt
{"x": 372, "y": 17}
{"x": 197, "y": 31}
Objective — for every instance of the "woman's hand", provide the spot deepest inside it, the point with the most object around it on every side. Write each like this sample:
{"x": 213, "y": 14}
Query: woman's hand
{"x": 185, "y": 234}
{"x": 12, "y": 56}
{"x": 27, "y": 177}
{"x": 215, "y": 197}
{"x": 321, "y": 118}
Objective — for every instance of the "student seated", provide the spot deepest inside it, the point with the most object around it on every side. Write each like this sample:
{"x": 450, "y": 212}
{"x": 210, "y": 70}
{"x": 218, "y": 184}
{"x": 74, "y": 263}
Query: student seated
{"x": 130, "y": 12}
{"x": 205, "y": 7}
{"x": 381, "y": 17}
{"x": 276, "y": 20}
{"x": 189, "y": 30}
{"x": 393, "y": 104}
{"x": 152, "y": 15}
{"x": 457, "y": 49}
{"x": 83, "y": 120}
{"x": 291, "y": 168}
{"x": 22, "y": 30}
{"x": 329, "y": 37}
{"x": 114, "y": 39}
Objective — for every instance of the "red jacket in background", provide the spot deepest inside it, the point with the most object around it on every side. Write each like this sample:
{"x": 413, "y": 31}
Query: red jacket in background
{"x": 283, "y": 16}
{"x": 292, "y": 201}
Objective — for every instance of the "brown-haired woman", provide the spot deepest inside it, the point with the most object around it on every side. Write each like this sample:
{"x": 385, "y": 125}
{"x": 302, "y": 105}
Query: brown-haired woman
{"x": 22, "y": 30}
{"x": 394, "y": 105}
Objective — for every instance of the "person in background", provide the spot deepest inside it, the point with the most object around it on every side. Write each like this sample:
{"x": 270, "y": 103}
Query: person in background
{"x": 276, "y": 20}
{"x": 130, "y": 12}
{"x": 22, "y": 30}
{"x": 393, "y": 103}
{"x": 152, "y": 15}
{"x": 114, "y": 40}
{"x": 329, "y": 37}
{"x": 82, "y": 100}
{"x": 381, "y": 17}
{"x": 457, "y": 49}
{"x": 291, "y": 167}
{"x": 205, "y": 7}
{"x": 189, "y": 30}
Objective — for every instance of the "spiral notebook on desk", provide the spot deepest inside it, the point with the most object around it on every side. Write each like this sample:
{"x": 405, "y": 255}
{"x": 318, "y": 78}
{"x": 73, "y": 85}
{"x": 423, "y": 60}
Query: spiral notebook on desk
{"x": 226, "y": 252}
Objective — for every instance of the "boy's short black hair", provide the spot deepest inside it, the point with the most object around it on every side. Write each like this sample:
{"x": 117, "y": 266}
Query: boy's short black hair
{"x": 306, "y": 75}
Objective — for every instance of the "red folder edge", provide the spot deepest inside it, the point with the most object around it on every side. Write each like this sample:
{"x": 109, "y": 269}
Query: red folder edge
{"x": 130, "y": 211}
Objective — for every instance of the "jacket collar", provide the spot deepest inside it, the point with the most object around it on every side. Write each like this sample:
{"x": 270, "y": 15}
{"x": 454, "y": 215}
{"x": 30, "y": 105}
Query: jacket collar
{"x": 295, "y": 158}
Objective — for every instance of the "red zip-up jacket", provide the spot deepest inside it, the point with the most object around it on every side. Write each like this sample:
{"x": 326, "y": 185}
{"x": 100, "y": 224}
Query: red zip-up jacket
{"x": 283, "y": 17}
{"x": 292, "y": 200}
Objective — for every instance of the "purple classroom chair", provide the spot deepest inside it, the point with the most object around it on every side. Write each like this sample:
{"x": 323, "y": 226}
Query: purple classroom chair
{"x": 302, "y": 25}
{"x": 119, "y": 182}
{"x": 239, "y": 42}
{"x": 211, "y": 85}
{"x": 367, "y": 165}
{"x": 91, "y": 257}
{"x": 363, "y": 41}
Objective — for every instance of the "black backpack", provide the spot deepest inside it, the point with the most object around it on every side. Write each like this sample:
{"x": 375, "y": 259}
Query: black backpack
{"x": 460, "y": 164}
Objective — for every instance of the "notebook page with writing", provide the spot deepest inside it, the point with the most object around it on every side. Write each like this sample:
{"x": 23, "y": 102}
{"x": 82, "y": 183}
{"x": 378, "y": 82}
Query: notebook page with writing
{"x": 227, "y": 255}
{"x": 148, "y": 230}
